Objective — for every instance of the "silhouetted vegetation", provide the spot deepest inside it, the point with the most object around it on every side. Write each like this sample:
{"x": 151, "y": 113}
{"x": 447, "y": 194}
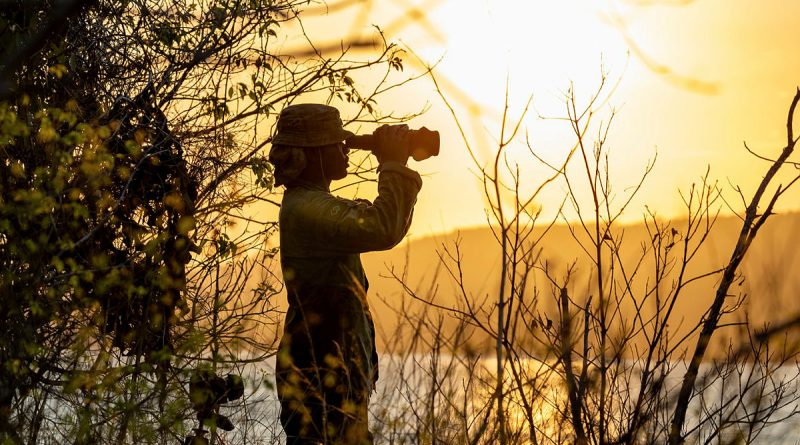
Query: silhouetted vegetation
{"x": 131, "y": 142}
{"x": 593, "y": 349}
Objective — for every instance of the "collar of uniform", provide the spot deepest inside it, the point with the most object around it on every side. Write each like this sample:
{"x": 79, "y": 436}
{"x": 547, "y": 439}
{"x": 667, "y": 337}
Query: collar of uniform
{"x": 308, "y": 185}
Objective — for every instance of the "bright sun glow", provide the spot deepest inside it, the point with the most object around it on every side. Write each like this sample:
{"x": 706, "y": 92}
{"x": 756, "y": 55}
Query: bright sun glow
{"x": 538, "y": 50}
{"x": 539, "y": 46}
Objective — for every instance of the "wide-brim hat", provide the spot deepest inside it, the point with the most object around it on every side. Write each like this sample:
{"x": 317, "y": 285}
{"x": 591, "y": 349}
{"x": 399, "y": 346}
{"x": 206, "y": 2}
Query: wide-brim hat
{"x": 309, "y": 125}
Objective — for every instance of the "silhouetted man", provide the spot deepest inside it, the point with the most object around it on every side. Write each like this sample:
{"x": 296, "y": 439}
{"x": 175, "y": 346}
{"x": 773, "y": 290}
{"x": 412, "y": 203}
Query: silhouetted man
{"x": 327, "y": 363}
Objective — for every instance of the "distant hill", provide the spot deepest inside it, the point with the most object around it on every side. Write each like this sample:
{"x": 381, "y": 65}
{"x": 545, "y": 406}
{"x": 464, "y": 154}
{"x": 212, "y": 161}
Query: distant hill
{"x": 771, "y": 269}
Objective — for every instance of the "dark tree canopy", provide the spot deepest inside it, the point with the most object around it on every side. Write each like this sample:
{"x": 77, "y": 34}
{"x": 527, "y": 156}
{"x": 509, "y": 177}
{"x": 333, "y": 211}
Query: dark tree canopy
{"x": 130, "y": 137}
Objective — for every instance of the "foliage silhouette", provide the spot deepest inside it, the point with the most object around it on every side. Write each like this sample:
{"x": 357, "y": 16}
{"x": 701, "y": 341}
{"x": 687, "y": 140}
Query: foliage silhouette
{"x": 130, "y": 136}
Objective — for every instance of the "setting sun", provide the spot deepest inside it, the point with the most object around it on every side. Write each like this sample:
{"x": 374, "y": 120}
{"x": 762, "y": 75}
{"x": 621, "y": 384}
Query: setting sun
{"x": 538, "y": 46}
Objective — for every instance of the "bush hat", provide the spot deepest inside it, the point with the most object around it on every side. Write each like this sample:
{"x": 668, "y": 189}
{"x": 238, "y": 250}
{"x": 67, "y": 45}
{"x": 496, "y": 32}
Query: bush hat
{"x": 309, "y": 125}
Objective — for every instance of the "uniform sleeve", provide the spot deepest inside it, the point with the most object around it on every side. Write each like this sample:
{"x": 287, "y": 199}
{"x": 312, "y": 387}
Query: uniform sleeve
{"x": 343, "y": 226}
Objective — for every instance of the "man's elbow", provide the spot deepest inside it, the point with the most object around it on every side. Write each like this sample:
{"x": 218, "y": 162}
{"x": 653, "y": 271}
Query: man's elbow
{"x": 389, "y": 238}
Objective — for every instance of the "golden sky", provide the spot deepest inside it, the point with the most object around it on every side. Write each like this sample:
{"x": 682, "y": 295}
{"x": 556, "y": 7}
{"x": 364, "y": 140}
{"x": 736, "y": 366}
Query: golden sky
{"x": 695, "y": 80}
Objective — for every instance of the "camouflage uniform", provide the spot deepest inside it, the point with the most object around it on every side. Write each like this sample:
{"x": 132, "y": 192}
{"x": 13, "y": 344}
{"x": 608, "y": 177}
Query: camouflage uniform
{"x": 327, "y": 363}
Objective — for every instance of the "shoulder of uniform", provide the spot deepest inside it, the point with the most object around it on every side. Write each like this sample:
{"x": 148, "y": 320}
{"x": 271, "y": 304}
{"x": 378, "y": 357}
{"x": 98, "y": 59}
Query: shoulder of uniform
{"x": 316, "y": 202}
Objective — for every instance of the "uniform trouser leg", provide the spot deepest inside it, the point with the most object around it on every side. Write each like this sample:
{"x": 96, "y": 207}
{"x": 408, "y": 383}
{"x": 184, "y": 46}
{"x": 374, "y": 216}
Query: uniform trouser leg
{"x": 321, "y": 402}
{"x": 325, "y": 369}
{"x": 315, "y": 412}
